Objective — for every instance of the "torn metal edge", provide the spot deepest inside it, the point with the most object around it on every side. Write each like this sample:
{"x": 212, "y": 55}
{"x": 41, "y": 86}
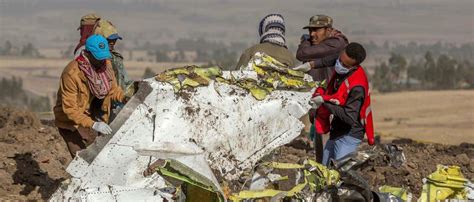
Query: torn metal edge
{"x": 92, "y": 150}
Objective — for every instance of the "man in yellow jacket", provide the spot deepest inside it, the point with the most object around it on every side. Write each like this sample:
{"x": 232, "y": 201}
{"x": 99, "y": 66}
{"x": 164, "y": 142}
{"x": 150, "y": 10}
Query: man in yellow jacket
{"x": 86, "y": 89}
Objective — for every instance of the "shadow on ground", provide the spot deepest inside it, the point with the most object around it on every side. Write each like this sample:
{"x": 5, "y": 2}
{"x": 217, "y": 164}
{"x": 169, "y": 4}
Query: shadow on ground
{"x": 30, "y": 174}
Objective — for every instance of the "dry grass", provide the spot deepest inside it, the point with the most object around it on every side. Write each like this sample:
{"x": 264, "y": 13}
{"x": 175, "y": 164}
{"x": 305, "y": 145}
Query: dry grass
{"x": 445, "y": 117}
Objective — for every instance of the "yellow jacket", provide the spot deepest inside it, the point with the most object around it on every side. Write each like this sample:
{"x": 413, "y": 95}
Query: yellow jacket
{"x": 74, "y": 98}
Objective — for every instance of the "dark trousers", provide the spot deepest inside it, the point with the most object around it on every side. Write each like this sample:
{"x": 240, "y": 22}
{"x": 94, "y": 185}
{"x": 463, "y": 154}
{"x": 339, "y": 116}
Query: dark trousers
{"x": 75, "y": 141}
{"x": 318, "y": 138}
{"x": 318, "y": 147}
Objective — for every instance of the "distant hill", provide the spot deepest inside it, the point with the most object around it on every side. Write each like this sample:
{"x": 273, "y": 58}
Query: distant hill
{"x": 53, "y": 23}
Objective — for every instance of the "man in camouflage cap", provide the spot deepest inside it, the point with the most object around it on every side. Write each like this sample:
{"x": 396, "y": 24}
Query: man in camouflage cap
{"x": 318, "y": 21}
{"x": 320, "y": 48}
{"x": 319, "y": 51}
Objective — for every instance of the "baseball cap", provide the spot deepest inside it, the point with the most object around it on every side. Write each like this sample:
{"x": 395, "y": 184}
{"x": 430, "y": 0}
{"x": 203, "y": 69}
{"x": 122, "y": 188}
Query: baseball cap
{"x": 318, "y": 21}
{"x": 98, "y": 46}
{"x": 89, "y": 19}
{"x": 107, "y": 29}
{"x": 114, "y": 37}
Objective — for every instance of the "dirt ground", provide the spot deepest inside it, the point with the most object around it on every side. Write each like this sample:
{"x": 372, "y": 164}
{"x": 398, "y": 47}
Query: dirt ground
{"x": 34, "y": 157}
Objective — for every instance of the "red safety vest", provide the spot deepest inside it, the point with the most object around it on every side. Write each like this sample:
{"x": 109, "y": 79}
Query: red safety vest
{"x": 358, "y": 78}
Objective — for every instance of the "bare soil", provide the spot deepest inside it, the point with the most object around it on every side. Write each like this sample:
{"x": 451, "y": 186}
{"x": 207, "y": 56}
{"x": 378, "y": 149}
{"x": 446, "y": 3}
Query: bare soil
{"x": 445, "y": 117}
{"x": 33, "y": 156}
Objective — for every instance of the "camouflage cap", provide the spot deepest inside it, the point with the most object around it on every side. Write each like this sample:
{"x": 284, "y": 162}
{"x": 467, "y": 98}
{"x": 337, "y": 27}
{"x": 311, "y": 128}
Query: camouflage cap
{"x": 89, "y": 19}
{"x": 319, "y": 21}
{"x": 106, "y": 29}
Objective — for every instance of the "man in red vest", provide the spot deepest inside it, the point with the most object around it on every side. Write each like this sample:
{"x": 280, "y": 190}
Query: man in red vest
{"x": 347, "y": 98}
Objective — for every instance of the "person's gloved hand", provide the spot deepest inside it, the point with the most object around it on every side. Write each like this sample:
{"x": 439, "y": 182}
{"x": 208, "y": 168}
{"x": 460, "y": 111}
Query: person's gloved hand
{"x": 335, "y": 101}
{"x": 305, "y": 37}
{"x": 319, "y": 91}
{"x": 316, "y": 102}
{"x": 305, "y": 67}
{"x": 102, "y": 127}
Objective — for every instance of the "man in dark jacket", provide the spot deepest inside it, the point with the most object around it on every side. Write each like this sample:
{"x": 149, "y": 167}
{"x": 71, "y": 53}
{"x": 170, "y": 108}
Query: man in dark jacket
{"x": 320, "y": 48}
{"x": 318, "y": 51}
{"x": 346, "y": 96}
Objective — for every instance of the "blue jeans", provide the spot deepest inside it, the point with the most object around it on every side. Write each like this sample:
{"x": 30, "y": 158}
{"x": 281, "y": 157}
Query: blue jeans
{"x": 340, "y": 147}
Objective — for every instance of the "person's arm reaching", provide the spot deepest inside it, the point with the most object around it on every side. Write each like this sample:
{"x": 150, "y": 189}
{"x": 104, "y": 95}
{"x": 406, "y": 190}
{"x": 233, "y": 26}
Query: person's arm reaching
{"x": 324, "y": 62}
{"x": 307, "y": 52}
{"x": 116, "y": 92}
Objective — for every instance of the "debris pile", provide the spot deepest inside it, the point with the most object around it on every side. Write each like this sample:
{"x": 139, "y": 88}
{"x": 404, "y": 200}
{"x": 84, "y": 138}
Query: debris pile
{"x": 421, "y": 160}
{"x": 270, "y": 75}
{"x": 36, "y": 175}
{"x": 389, "y": 169}
{"x": 213, "y": 133}
{"x": 208, "y": 134}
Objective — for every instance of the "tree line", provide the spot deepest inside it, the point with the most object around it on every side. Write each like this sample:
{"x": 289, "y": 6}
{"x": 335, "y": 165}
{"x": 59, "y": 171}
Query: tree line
{"x": 210, "y": 52}
{"x": 26, "y": 50}
{"x": 12, "y": 93}
{"x": 460, "y": 52}
{"x": 428, "y": 73}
